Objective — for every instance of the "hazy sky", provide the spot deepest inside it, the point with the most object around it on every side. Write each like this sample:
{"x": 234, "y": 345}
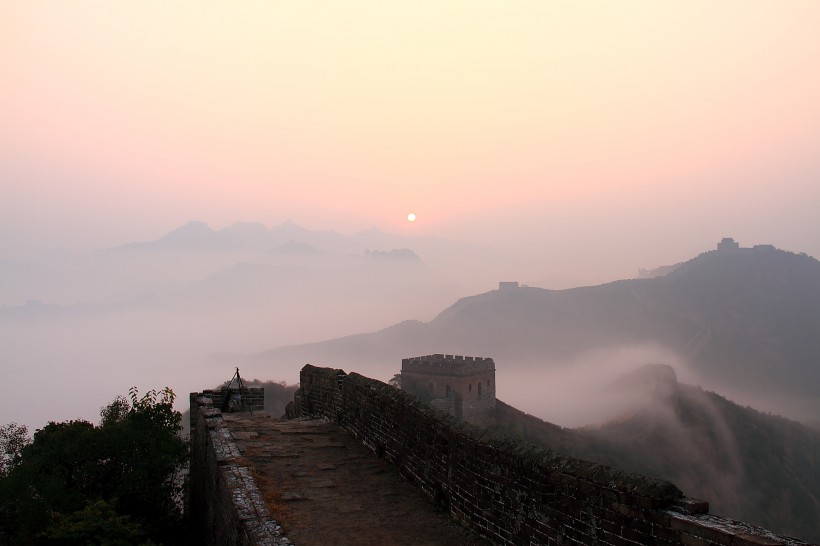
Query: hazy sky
{"x": 596, "y": 131}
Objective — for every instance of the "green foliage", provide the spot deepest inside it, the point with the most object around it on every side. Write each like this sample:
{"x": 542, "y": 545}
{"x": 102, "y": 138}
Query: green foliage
{"x": 73, "y": 476}
{"x": 277, "y": 394}
{"x": 13, "y": 438}
{"x": 114, "y": 412}
{"x": 97, "y": 523}
{"x": 395, "y": 381}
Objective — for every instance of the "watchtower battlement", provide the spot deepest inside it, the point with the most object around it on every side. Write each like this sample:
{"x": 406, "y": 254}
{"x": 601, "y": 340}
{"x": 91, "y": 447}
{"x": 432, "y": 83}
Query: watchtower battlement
{"x": 463, "y": 386}
{"x": 456, "y": 365}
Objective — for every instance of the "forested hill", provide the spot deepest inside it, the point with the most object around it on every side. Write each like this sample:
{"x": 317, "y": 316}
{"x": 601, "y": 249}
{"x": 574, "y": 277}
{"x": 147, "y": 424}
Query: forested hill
{"x": 752, "y": 466}
{"x": 749, "y": 465}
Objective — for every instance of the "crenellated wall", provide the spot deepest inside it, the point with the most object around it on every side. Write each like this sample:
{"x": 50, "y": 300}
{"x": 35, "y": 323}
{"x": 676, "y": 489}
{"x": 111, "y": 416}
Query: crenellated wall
{"x": 510, "y": 492}
{"x": 448, "y": 364}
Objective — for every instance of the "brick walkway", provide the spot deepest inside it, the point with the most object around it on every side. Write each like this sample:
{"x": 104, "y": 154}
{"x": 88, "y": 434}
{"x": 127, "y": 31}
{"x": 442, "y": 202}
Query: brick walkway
{"x": 325, "y": 488}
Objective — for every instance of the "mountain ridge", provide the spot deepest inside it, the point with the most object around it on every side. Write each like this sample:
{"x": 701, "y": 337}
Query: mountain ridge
{"x": 745, "y": 321}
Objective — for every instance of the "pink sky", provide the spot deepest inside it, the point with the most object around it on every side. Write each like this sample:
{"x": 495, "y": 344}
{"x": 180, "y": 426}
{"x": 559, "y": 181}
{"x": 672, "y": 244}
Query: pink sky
{"x": 593, "y": 131}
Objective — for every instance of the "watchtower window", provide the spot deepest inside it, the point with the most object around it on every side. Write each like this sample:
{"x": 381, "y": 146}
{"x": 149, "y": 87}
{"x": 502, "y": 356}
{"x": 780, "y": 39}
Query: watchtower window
{"x": 479, "y": 390}
{"x": 447, "y": 391}
{"x": 470, "y": 387}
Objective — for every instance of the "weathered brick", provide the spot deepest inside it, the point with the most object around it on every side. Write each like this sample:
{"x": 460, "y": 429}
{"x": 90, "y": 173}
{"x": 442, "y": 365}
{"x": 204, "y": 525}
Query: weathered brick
{"x": 743, "y": 539}
{"x": 691, "y": 540}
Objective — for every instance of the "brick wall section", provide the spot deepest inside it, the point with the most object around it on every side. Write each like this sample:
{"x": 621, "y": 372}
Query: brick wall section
{"x": 510, "y": 492}
{"x": 224, "y": 503}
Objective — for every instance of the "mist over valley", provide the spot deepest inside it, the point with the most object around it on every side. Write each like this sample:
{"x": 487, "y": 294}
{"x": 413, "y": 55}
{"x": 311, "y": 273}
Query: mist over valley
{"x": 152, "y": 312}
{"x": 186, "y": 309}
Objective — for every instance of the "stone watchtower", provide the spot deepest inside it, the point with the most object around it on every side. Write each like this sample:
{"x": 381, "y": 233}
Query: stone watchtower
{"x": 463, "y": 386}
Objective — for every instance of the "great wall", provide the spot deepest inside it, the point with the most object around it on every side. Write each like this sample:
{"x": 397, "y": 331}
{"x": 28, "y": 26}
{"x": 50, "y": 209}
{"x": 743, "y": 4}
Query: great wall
{"x": 501, "y": 490}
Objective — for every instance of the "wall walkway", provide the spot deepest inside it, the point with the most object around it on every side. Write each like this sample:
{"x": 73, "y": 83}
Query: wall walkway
{"x": 224, "y": 502}
{"x": 510, "y": 492}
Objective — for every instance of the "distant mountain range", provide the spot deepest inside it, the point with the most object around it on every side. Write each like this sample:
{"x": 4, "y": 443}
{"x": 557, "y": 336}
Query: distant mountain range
{"x": 745, "y": 320}
{"x": 194, "y": 252}
{"x": 289, "y": 237}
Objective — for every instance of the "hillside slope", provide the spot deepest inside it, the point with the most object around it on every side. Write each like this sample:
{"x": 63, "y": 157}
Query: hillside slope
{"x": 745, "y": 321}
{"x": 751, "y": 466}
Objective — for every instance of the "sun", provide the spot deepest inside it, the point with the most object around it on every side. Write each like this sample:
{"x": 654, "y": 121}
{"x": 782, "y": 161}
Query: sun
{"x": 411, "y": 217}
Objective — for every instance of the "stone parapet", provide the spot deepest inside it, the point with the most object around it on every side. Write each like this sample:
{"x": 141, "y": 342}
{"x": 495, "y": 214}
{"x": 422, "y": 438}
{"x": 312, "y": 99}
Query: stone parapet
{"x": 508, "y": 491}
{"x": 447, "y": 364}
{"x": 224, "y": 503}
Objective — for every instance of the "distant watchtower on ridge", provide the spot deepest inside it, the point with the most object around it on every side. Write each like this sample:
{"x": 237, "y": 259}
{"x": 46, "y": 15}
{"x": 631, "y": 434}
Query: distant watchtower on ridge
{"x": 463, "y": 386}
{"x": 727, "y": 244}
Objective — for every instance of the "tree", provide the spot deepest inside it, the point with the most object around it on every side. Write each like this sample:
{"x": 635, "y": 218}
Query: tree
{"x": 395, "y": 381}
{"x": 97, "y": 523}
{"x": 114, "y": 412}
{"x": 13, "y": 438}
{"x": 74, "y": 475}
{"x": 147, "y": 456}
